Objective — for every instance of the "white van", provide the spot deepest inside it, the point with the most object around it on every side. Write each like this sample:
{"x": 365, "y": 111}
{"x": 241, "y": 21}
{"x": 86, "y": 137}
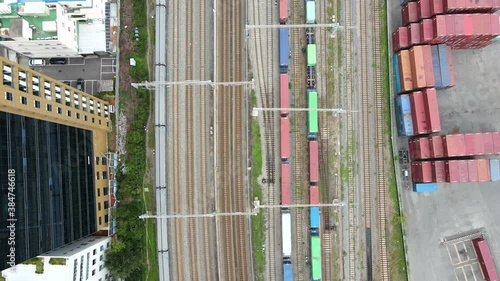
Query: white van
{"x": 37, "y": 62}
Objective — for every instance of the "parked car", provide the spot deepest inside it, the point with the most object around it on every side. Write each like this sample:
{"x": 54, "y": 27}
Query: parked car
{"x": 37, "y": 62}
{"x": 58, "y": 61}
{"x": 80, "y": 84}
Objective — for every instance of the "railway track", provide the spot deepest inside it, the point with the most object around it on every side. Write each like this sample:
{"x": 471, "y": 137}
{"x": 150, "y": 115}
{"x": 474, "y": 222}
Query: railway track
{"x": 299, "y": 216}
{"x": 381, "y": 142}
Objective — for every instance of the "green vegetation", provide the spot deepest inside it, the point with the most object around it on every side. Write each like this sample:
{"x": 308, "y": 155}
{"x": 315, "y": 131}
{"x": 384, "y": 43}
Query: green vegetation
{"x": 1, "y": 277}
{"x": 258, "y": 221}
{"x": 57, "y": 261}
{"x": 398, "y": 265}
{"x": 140, "y": 70}
{"x": 38, "y": 262}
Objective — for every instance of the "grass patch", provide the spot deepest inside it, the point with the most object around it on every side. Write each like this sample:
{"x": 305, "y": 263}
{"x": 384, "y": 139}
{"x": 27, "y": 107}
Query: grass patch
{"x": 57, "y": 261}
{"x": 258, "y": 221}
{"x": 1, "y": 277}
{"x": 38, "y": 262}
{"x": 140, "y": 71}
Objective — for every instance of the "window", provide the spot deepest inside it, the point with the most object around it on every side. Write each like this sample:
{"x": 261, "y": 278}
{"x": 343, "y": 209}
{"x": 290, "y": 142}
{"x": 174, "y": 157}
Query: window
{"x": 102, "y": 248}
{"x": 93, "y": 120}
{"x": 104, "y": 175}
{"x": 106, "y": 219}
{"x": 37, "y": 104}
{"x": 77, "y": 115}
{"x": 49, "y": 107}
{"x": 93, "y": 272}
{"x": 99, "y": 121}
{"x": 85, "y": 118}
{"x": 100, "y": 267}
{"x": 98, "y": 208}
{"x": 101, "y": 257}
{"x": 8, "y": 96}
{"x": 59, "y": 110}
{"x": 106, "y": 190}
{"x": 97, "y": 176}
{"x": 107, "y": 245}
{"x": 69, "y": 113}
{"x": 106, "y": 205}
{"x": 97, "y": 160}
{"x": 104, "y": 161}
{"x": 93, "y": 263}
{"x": 100, "y": 220}
{"x": 98, "y": 192}
{"x": 94, "y": 252}
{"x": 24, "y": 100}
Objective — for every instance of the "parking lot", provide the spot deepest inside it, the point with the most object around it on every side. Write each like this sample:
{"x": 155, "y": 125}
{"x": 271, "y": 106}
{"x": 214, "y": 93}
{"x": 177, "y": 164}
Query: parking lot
{"x": 473, "y": 105}
{"x": 92, "y": 70}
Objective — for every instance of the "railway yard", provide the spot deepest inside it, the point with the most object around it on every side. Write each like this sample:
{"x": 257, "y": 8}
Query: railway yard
{"x": 326, "y": 137}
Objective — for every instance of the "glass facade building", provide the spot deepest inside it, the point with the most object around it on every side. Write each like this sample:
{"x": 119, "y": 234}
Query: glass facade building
{"x": 54, "y": 192}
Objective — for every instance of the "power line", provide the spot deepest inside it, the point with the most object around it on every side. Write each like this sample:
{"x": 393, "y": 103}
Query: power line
{"x": 154, "y": 84}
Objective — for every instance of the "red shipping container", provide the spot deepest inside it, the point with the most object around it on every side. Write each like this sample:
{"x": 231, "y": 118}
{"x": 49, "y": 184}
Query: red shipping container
{"x": 424, "y": 9}
{"x": 468, "y": 25}
{"x": 488, "y": 143}
{"x": 314, "y": 194}
{"x": 463, "y": 171}
{"x": 285, "y": 137}
{"x": 436, "y": 7}
{"x": 473, "y": 170}
{"x": 426, "y": 30}
{"x": 409, "y": 13}
{"x": 429, "y": 68}
{"x": 422, "y": 148}
{"x": 451, "y": 68}
{"x": 452, "y": 6}
{"x": 417, "y": 66}
{"x": 495, "y": 24}
{"x": 405, "y": 70}
{"x": 483, "y": 167}
{"x": 485, "y": 259}
{"x": 438, "y": 171}
{"x": 313, "y": 161}
{"x": 496, "y": 142}
{"x": 285, "y": 184}
{"x": 405, "y": 17}
{"x": 400, "y": 38}
{"x": 474, "y": 144}
{"x": 411, "y": 149}
{"x": 414, "y": 29}
{"x": 451, "y": 170}
{"x": 432, "y": 110}
{"x": 426, "y": 171}
{"x": 459, "y": 25}
{"x": 418, "y": 113}
{"x": 439, "y": 26}
{"x": 436, "y": 146}
{"x": 453, "y": 145}
{"x": 450, "y": 26}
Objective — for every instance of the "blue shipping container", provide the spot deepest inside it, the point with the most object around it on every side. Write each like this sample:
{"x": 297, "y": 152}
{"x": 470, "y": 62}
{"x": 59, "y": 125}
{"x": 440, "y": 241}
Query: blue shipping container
{"x": 283, "y": 49}
{"x": 404, "y": 101}
{"x": 436, "y": 66}
{"x": 396, "y": 71}
{"x": 314, "y": 217}
{"x": 425, "y": 187}
{"x": 287, "y": 271}
{"x": 495, "y": 169}
{"x": 404, "y": 119}
{"x": 443, "y": 64}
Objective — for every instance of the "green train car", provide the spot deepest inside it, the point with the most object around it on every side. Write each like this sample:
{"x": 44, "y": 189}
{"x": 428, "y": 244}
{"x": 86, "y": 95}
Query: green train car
{"x": 311, "y": 55}
{"x": 315, "y": 257}
{"x": 312, "y": 116}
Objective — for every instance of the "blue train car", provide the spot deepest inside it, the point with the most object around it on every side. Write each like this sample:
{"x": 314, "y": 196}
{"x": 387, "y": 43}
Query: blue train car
{"x": 396, "y": 71}
{"x": 425, "y": 187}
{"x": 284, "y": 50}
{"x": 314, "y": 219}
{"x": 287, "y": 271}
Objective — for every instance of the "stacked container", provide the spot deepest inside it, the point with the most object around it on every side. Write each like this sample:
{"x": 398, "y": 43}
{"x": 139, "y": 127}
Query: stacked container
{"x": 453, "y": 171}
{"x": 495, "y": 169}
{"x": 403, "y": 116}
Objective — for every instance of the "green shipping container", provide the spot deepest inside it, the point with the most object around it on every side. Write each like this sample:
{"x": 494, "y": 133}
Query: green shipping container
{"x": 312, "y": 103}
{"x": 311, "y": 55}
{"x": 315, "y": 257}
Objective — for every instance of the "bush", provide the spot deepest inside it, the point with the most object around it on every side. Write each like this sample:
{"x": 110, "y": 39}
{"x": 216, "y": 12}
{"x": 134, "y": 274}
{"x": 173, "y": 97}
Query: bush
{"x": 38, "y": 262}
{"x": 57, "y": 261}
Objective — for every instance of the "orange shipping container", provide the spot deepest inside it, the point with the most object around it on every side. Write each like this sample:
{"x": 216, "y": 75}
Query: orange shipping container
{"x": 405, "y": 70}
{"x": 429, "y": 69}
{"x": 483, "y": 166}
{"x": 417, "y": 67}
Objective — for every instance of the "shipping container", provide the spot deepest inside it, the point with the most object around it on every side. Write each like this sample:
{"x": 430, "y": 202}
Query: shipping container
{"x": 488, "y": 143}
{"x": 285, "y": 184}
{"x": 436, "y": 66}
{"x": 283, "y": 11}
{"x": 284, "y": 53}
{"x": 436, "y": 7}
{"x": 286, "y": 235}
{"x": 422, "y": 148}
{"x": 312, "y": 115}
{"x": 400, "y": 38}
{"x": 284, "y": 93}
{"x": 287, "y": 271}
{"x": 463, "y": 172}
{"x": 451, "y": 170}
{"x": 485, "y": 259}
{"x": 495, "y": 169}
{"x": 483, "y": 166}
{"x": 418, "y": 113}
{"x": 313, "y": 218}
{"x": 424, "y": 9}
{"x": 436, "y": 147}
{"x": 405, "y": 122}
{"x": 411, "y": 149}
{"x": 432, "y": 110}
{"x": 310, "y": 12}
{"x": 421, "y": 171}
{"x": 316, "y": 268}
{"x": 474, "y": 144}
{"x": 396, "y": 72}
{"x": 454, "y": 145}
{"x": 311, "y": 54}
{"x": 496, "y": 142}
{"x": 417, "y": 67}
{"x": 425, "y": 187}
{"x": 450, "y": 26}
{"x": 438, "y": 171}
{"x": 414, "y": 30}
{"x": 426, "y": 30}
{"x": 313, "y": 162}
{"x": 429, "y": 70}
{"x": 285, "y": 138}
{"x": 467, "y": 6}
{"x": 409, "y": 13}
{"x": 314, "y": 194}
{"x": 444, "y": 65}
{"x": 473, "y": 170}
{"x": 439, "y": 27}
{"x": 405, "y": 71}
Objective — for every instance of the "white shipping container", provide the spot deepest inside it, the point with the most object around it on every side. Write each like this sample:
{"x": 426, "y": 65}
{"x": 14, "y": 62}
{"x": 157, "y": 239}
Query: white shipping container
{"x": 286, "y": 232}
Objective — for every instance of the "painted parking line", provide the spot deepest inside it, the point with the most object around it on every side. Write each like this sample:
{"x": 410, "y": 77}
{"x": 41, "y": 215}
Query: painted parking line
{"x": 453, "y": 255}
{"x": 460, "y": 273}
{"x": 476, "y": 269}
{"x": 461, "y": 252}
